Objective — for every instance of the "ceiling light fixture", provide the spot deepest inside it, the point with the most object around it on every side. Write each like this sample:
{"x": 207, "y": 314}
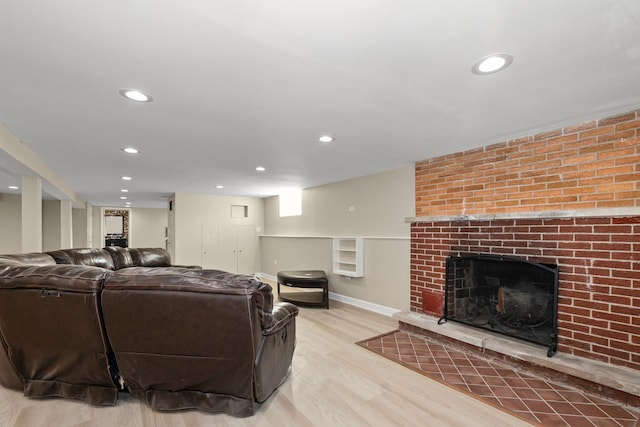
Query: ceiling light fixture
{"x": 326, "y": 138}
{"x": 126, "y": 178}
{"x": 492, "y": 64}
{"x": 135, "y": 95}
{"x": 124, "y": 190}
{"x": 261, "y": 168}
{"x": 219, "y": 187}
{"x": 123, "y": 197}
{"x": 130, "y": 150}
{"x": 13, "y": 187}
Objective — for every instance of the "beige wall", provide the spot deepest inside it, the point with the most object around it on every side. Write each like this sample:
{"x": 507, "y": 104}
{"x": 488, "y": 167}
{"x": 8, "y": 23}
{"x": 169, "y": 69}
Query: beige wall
{"x": 10, "y": 224}
{"x": 81, "y": 226}
{"x": 97, "y": 239}
{"x": 374, "y": 207}
{"x": 380, "y": 202}
{"x": 57, "y": 225}
{"x": 53, "y": 229}
{"x": 194, "y": 223}
{"x": 148, "y": 228}
{"x": 51, "y": 225}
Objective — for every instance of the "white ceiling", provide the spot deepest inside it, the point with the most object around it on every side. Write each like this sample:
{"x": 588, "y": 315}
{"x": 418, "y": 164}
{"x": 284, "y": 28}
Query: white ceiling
{"x": 242, "y": 83}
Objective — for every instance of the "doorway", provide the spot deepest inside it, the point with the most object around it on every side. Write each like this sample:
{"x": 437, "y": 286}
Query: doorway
{"x": 116, "y": 227}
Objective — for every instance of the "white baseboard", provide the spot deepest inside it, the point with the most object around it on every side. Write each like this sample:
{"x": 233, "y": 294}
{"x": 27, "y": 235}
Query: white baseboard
{"x": 267, "y": 276}
{"x": 365, "y": 305}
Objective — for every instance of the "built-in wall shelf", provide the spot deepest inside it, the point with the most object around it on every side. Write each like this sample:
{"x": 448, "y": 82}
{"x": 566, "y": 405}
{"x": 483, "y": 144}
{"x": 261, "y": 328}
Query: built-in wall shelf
{"x": 347, "y": 256}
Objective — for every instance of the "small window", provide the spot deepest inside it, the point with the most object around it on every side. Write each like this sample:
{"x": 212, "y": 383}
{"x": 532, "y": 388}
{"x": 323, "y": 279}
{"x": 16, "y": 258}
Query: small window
{"x": 239, "y": 211}
{"x": 291, "y": 202}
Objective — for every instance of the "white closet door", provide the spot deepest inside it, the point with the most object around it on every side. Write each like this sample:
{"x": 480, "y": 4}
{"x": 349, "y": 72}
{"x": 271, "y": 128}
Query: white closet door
{"x": 247, "y": 248}
{"x": 228, "y": 248}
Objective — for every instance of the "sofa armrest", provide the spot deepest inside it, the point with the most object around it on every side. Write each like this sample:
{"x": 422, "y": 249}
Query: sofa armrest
{"x": 283, "y": 313}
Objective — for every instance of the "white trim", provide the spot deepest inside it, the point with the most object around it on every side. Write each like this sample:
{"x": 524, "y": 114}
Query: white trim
{"x": 266, "y": 276}
{"x": 365, "y": 305}
{"x": 280, "y": 236}
{"x": 291, "y": 236}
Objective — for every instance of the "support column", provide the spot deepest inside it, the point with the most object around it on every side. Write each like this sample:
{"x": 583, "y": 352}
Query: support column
{"x": 66, "y": 224}
{"x": 89, "y": 214}
{"x": 31, "y": 214}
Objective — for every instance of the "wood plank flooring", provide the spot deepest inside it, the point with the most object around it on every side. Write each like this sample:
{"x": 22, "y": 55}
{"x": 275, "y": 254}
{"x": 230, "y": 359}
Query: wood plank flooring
{"x": 333, "y": 382}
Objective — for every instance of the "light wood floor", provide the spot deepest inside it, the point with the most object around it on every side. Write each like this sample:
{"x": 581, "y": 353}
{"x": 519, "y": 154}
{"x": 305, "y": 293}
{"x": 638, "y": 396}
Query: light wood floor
{"x": 333, "y": 383}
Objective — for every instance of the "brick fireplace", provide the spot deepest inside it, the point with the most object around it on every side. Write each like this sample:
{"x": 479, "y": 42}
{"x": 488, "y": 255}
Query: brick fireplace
{"x": 569, "y": 197}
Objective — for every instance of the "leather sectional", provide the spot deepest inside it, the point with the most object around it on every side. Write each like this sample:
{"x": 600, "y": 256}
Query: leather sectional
{"x": 89, "y": 324}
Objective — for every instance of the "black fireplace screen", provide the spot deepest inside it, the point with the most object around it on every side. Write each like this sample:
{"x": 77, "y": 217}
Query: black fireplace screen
{"x": 503, "y": 294}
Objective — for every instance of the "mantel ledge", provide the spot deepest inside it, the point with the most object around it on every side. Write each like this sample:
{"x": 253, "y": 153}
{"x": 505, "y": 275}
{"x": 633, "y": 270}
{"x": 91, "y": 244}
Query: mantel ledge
{"x": 583, "y": 213}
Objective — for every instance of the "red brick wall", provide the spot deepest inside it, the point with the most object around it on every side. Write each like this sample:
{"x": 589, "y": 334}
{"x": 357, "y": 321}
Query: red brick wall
{"x": 587, "y": 166}
{"x": 595, "y": 165}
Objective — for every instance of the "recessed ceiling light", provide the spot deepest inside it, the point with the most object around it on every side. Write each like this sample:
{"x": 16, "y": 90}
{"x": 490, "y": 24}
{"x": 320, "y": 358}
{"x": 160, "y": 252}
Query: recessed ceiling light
{"x": 123, "y": 197}
{"x": 126, "y": 178}
{"x": 135, "y": 95}
{"x": 326, "y": 138}
{"x": 261, "y": 169}
{"x": 13, "y": 187}
{"x": 128, "y": 203}
{"x": 130, "y": 150}
{"x": 492, "y": 63}
{"x": 219, "y": 187}
{"x": 124, "y": 190}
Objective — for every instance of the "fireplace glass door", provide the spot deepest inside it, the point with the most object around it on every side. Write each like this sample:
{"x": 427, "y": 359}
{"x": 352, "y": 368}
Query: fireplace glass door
{"x": 502, "y": 294}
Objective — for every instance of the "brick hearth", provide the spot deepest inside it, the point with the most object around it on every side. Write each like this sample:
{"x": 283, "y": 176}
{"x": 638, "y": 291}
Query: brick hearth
{"x": 618, "y": 384}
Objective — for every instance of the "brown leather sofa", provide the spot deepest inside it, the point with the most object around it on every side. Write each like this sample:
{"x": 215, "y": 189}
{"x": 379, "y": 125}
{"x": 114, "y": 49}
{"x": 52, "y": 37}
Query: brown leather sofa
{"x": 91, "y": 323}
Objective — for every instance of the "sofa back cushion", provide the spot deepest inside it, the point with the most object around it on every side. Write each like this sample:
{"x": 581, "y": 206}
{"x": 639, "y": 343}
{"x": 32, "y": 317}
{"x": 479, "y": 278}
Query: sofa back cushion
{"x": 203, "y": 324}
{"x": 121, "y": 257}
{"x": 36, "y": 258}
{"x": 61, "y": 256}
{"x": 51, "y": 324}
{"x": 150, "y": 257}
{"x": 85, "y": 256}
{"x": 9, "y": 377}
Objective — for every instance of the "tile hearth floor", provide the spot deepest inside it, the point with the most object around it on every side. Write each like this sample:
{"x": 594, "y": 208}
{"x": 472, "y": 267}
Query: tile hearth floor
{"x": 533, "y": 399}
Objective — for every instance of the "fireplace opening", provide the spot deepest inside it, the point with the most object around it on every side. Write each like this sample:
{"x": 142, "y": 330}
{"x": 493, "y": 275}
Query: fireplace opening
{"x": 508, "y": 295}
